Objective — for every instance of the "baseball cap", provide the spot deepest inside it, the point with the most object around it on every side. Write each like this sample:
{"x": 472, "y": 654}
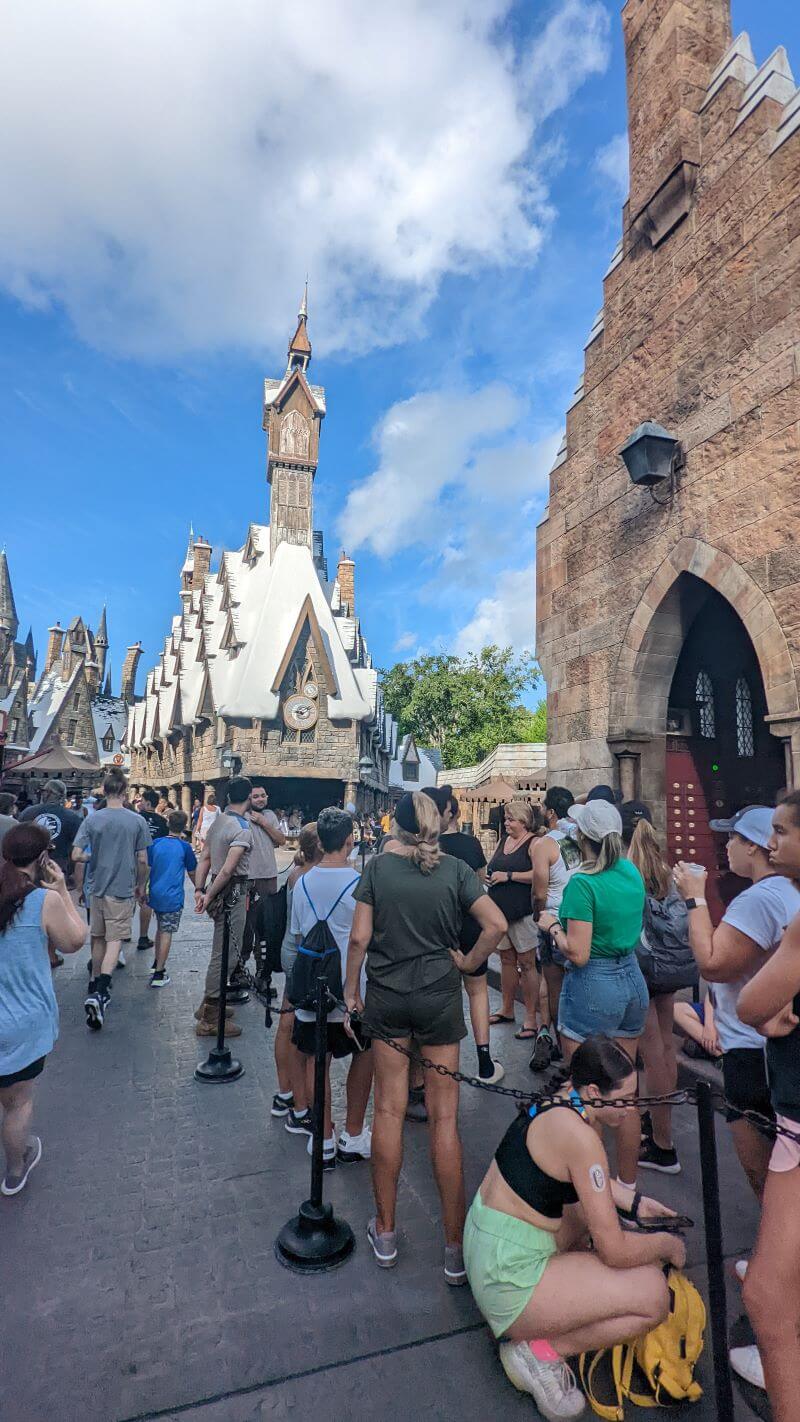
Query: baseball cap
{"x": 754, "y": 822}
{"x": 440, "y": 794}
{"x": 632, "y": 812}
{"x": 596, "y": 819}
{"x": 601, "y": 792}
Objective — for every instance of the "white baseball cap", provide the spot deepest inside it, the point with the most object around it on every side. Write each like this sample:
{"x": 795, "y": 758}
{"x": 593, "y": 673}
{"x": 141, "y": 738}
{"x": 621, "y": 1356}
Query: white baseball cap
{"x": 596, "y": 819}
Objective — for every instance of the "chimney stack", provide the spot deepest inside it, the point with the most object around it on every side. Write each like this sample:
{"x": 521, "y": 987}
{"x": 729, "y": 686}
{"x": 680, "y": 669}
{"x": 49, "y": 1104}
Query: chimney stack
{"x": 671, "y": 50}
{"x": 55, "y": 639}
{"x": 347, "y": 584}
{"x": 129, "y": 668}
{"x": 201, "y": 563}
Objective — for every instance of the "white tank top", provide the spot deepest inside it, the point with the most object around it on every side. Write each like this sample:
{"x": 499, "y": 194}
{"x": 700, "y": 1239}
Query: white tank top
{"x": 559, "y": 874}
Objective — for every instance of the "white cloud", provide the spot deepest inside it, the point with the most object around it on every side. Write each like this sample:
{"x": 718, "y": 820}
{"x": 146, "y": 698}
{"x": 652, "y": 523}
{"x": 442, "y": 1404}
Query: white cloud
{"x": 507, "y": 617}
{"x": 406, "y": 641}
{"x": 176, "y": 168}
{"x": 611, "y": 163}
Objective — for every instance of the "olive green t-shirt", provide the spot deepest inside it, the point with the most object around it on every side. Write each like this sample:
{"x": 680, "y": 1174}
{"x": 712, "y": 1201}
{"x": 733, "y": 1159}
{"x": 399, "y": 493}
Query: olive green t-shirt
{"x": 612, "y": 902}
{"x": 416, "y": 919}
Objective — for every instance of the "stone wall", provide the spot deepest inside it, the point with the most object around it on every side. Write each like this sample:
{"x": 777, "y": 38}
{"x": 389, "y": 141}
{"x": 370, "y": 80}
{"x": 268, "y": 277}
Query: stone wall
{"x": 702, "y": 334}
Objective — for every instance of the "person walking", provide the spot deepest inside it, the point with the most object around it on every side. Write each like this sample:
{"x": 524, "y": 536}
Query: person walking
{"x": 116, "y": 840}
{"x": 35, "y": 907}
{"x": 510, "y": 880}
{"x": 226, "y": 855}
{"x": 208, "y": 814}
{"x": 291, "y": 1102}
{"x": 263, "y": 880}
{"x": 147, "y": 807}
{"x": 467, "y": 848}
{"x": 61, "y": 823}
{"x": 325, "y": 892}
{"x": 409, "y": 905}
{"x": 770, "y": 1003}
{"x": 170, "y": 860}
{"x": 598, "y": 930}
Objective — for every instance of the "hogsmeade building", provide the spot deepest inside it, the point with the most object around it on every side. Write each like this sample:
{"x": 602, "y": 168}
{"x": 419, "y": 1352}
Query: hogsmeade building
{"x": 668, "y": 563}
{"x": 265, "y": 670}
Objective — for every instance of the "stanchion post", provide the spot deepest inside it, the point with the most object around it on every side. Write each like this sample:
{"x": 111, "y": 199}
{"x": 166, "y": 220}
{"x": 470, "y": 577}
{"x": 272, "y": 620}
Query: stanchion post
{"x": 220, "y": 1065}
{"x": 314, "y": 1239}
{"x": 717, "y": 1303}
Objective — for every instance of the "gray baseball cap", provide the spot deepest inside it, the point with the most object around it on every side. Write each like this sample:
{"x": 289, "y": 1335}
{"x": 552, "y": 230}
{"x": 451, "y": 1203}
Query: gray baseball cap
{"x": 754, "y": 822}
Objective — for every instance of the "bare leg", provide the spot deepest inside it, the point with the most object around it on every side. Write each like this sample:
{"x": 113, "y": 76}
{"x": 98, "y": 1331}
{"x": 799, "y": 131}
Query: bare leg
{"x": 508, "y": 979}
{"x": 285, "y": 1053}
{"x": 660, "y": 1063}
{"x": 98, "y": 954}
{"x": 754, "y": 1151}
{"x": 529, "y": 985}
{"x": 478, "y": 997}
{"x": 163, "y": 945}
{"x": 111, "y": 955}
{"x": 17, "y": 1104}
{"x": 359, "y": 1085}
{"x": 580, "y": 1303}
{"x": 391, "y": 1099}
{"x": 545, "y": 1015}
{"x": 145, "y": 915}
{"x": 629, "y": 1132}
{"x": 441, "y": 1099}
{"x": 554, "y": 977}
{"x": 772, "y": 1292}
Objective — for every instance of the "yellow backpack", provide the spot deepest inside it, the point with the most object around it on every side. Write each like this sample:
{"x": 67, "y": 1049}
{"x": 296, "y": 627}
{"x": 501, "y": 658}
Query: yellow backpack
{"x": 656, "y": 1370}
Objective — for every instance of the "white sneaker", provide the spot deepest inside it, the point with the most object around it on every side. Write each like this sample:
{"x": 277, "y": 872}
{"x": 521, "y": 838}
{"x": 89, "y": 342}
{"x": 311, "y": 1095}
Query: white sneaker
{"x": 741, "y": 1269}
{"x": 747, "y": 1363}
{"x": 354, "y": 1148}
{"x": 121, "y": 960}
{"x": 328, "y": 1148}
{"x": 552, "y": 1385}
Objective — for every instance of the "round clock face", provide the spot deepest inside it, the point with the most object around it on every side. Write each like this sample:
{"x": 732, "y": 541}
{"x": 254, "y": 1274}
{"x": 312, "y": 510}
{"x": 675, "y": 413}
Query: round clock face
{"x": 311, "y": 689}
{"x": 300, "y": 712}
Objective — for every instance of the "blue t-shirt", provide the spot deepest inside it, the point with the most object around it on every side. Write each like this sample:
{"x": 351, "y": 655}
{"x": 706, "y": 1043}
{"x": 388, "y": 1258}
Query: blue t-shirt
{"x": 169, "y": 860}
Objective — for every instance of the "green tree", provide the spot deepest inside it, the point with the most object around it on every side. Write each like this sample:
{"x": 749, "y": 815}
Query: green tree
{"x": 464, "y": 706}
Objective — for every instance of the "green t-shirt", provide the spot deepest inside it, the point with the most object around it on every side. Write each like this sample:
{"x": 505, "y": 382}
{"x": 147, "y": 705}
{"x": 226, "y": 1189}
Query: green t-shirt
{"x": 613, "y": 902}
{"x": 416, "y": 919}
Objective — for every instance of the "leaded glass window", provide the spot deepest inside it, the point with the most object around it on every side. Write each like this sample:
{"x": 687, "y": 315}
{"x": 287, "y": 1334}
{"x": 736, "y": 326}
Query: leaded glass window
{"x": 745, "y": 741}
{"x": 704, "y": 696}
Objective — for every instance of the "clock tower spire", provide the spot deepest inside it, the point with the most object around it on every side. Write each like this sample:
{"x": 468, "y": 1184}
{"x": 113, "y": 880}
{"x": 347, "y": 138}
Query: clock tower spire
{"x": 293, "y": 413}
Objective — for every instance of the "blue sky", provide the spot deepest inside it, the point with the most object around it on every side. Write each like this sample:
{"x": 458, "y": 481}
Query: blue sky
{"x": 451, "y": 177}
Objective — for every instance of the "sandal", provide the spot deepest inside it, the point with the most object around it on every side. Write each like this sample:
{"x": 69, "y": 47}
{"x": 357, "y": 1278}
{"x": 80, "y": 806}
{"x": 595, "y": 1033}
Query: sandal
{"x": 631, "y": 1219}
{"x": 495, "y": 1018}
{"x": 526, "y": 1034}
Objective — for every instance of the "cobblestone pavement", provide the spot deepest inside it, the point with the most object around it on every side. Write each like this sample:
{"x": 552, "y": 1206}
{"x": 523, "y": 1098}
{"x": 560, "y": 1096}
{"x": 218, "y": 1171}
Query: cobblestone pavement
{"x": 137, "y": 1269}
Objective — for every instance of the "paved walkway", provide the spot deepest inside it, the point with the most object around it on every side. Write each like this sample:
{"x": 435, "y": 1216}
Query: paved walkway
{"x": 137, "y": 1269}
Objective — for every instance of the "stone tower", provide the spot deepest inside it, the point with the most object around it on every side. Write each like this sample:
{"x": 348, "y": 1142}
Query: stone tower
{"x": 293, "y": 411}
{"x": 9, "y": 622}
{"x": 101, "y": 648}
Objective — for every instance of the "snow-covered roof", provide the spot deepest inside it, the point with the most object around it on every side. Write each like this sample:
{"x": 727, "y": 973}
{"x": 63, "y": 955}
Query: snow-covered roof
{"x": 409, "y": 753}
{"x": 273, "y": 388}
{"x": 110, "y": 713}
{"x": 49, "y": 697}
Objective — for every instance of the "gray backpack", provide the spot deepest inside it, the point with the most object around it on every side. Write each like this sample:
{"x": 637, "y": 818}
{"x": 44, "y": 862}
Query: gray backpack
{"x": 665, "y": 957}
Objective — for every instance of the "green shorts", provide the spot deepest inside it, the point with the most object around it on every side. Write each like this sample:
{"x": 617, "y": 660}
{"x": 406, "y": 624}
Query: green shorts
{"x": 504, "y": 1258}
{"x": 434, "y": 1014}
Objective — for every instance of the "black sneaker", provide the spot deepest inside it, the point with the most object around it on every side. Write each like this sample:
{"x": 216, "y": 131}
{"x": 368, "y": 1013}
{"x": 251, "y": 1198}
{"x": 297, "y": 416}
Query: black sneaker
{"x": 656, "y": 1157}
{"x": 416, "y": 1109}
{"x": 144, "y": 943}
{"x": 160, "y": 978}
{"x": 542, "y": 1051}
{"x": 298, "y": 1124}
{"x": 281, "y": 1105}
{"x": 94, "y": 1007}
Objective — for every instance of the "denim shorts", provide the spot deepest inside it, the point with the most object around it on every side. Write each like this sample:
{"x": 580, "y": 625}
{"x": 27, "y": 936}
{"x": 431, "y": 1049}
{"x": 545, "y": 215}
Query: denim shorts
{"x": 607, "y": 995}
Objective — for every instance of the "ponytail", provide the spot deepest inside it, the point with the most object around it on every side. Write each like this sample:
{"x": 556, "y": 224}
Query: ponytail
{"x": 425, "y": 850}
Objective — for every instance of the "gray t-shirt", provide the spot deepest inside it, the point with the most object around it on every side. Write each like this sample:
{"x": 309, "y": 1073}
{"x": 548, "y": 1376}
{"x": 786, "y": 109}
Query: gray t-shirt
{"x": 228, "y": 831}
{"x": 263, "y": 864}
{"x": 113, "y": 838}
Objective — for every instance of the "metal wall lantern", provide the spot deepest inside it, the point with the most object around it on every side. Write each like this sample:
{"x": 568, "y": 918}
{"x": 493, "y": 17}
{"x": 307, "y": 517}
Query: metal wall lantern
{"x": 651, "y": 455}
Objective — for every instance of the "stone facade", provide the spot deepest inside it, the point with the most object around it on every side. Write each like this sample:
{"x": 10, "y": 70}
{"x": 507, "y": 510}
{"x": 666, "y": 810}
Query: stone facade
{"x": 265, "y": 671}
{"x": 699, "y": 331}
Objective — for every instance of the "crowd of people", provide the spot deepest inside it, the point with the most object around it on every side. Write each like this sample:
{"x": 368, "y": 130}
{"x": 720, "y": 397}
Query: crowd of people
{"x": 611, "y": 950}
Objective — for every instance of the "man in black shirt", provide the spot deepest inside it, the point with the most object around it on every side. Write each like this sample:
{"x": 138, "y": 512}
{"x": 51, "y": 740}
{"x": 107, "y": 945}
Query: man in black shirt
{"x": 466, "y": 847}
{"x": 61, "y": 824}
{"x": 159, "y": 829}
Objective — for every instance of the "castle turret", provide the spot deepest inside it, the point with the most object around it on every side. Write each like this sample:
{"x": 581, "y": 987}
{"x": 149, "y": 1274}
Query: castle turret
{"x": 293, "y": 411}
{"x": 9, "y": 622}
{"x": 101, "y": 647}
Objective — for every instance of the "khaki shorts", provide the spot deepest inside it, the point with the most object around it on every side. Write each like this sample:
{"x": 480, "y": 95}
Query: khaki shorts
{"x": 110, "y": 918}
{"x": 522, "y": 936}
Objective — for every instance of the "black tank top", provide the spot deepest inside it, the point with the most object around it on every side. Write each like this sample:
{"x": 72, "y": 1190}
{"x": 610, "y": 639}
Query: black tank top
{"x": 513, "y": 900}
{"x": 783, "y": 1064}
{"x": 527, "y": 1179}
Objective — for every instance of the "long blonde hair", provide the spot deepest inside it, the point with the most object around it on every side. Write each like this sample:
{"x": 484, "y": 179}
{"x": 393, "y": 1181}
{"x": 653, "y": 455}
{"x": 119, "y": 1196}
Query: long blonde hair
{"x": 424, "y": 845}
{"x": 647, "y": 855}
{"x": 610, "y": 851}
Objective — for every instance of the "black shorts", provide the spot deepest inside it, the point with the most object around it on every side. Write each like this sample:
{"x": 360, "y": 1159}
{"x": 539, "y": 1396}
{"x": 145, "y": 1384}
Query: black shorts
{"x": 28, "y": 1073}
{"x": 434, "y": 1015}
{"x": 744, "y": 1077}
{"x": 340, "y": 1044}
{"x": 479, "y": 972}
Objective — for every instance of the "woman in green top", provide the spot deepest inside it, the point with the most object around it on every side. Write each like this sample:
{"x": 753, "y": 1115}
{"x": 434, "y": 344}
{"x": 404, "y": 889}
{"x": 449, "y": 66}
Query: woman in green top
{"x": 410, "y": 902}
{"x": 598, "y": 930}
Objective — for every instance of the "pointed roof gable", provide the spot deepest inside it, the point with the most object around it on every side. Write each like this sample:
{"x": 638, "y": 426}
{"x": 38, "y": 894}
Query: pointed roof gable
{"x": 306, "y": 615}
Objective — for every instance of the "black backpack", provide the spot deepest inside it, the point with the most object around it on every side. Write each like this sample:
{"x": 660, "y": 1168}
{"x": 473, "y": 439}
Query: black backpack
{"x": 271, "y": 927}
{"x": 317, "y": 957}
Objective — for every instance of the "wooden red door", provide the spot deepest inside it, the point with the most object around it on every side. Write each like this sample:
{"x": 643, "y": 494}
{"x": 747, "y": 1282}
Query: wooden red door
{"x": 689, "y": 835}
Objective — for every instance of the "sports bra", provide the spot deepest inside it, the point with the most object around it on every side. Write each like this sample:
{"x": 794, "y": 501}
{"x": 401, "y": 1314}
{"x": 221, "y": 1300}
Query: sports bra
{"x": 521, "y": 1173}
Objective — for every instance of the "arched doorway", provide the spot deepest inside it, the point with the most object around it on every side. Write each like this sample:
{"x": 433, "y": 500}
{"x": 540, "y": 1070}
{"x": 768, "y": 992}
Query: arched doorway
{"x": 720, "y": 755}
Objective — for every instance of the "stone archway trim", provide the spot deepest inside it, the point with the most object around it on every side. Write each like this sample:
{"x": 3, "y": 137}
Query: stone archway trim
{"x": 720, "y": 571}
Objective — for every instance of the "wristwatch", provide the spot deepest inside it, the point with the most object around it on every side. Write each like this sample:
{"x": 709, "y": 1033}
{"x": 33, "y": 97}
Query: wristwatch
{"x": 695, "y": 903}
